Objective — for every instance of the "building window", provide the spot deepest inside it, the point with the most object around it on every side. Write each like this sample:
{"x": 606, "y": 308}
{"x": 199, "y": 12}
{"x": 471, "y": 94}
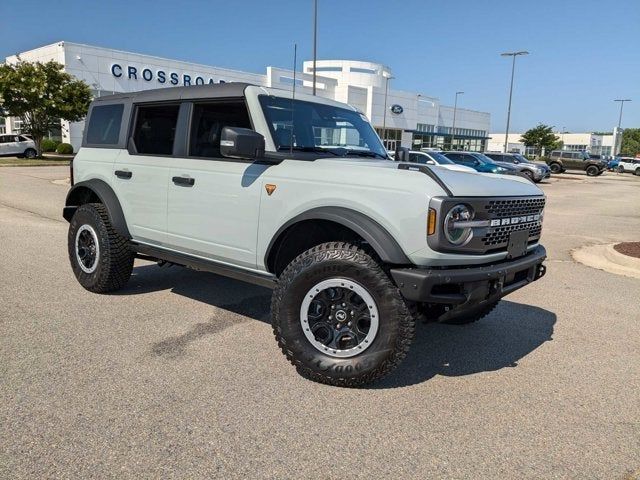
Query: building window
{"x": 362, "y": 70}
{"x": 391, "y": 137}
{"x": 326, "y": 69}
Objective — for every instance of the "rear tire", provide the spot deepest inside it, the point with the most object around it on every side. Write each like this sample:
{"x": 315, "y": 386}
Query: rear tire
{"x": 100, "y": 257}
{"x": 620, "y": 169}
{"x": 472, "y": 316}
{"x": 555, "y": 167}
{"x": 637, "y": 172}
{"x": 592, "y": 171}
{"x": 317, "y": 291}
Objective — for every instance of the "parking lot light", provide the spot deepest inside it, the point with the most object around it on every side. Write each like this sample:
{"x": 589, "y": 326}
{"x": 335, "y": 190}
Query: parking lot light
{"x": 513, "y": 68}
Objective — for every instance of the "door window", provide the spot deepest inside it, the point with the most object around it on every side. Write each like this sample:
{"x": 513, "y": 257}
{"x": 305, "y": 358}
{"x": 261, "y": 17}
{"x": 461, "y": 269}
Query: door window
{"x": 207, "y": 123}
{"x": 155, "y": 129}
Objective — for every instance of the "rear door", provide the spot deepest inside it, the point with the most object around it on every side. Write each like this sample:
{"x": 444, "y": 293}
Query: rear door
{"x": 213, "y": 201}
{"x": 141, "y": 172}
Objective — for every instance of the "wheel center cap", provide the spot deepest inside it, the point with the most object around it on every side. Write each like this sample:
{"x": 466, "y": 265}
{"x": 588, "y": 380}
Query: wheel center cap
{"x": 341, "y": 315}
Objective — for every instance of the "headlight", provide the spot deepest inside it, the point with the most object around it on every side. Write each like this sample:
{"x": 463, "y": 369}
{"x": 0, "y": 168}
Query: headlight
{"x": 500, "y": 170}
{"x": 454, "y": 233}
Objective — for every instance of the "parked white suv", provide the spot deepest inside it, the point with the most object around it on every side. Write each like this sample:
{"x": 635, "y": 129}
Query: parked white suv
{"x": 297, "y": 195}
{"x": 629, "y": 164}
{"x": 17, "y": 145}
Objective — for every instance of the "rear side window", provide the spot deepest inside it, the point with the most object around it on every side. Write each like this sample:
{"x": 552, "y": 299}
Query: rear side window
{"x": 155, "y": 129}
{"x": 104, "y": 124}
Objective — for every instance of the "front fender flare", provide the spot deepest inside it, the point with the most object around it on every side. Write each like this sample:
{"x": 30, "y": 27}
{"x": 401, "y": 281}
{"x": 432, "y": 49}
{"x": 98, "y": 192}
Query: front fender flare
{"x": 78, "y": 195}
{"x": 370, "y": 230}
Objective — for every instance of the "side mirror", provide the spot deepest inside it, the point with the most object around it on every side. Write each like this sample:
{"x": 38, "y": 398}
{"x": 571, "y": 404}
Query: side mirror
{"x": 236, "y": 142}
{"x": 431, "y": 162}
{"x": 402, "y": 154}
{"x": 516, "y": 161}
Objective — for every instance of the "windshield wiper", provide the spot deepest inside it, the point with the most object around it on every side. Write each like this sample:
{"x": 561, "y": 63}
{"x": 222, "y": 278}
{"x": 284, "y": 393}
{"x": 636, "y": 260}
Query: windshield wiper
{"x": 366, "y": 153}
{"x": 284, "y": 148}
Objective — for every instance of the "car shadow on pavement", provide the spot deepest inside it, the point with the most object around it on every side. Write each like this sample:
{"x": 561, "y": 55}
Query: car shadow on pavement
{"x": 500, "y": 340}
{"x": 241, "y": 298}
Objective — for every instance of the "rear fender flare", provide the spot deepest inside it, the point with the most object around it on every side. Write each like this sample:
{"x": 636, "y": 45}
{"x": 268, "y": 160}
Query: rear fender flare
{"x": 107, "y": 197}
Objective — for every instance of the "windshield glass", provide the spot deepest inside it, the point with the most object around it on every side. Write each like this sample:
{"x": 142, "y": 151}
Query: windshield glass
{"x": 440, "y": 159}
{"x": 482, "y": 157}
{"x": 521, "y": 158}
{"x": 320, "y": 127}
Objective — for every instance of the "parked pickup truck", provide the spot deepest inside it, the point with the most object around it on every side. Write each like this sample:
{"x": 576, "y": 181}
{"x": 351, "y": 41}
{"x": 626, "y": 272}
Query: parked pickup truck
{"x": 299, "y": 196}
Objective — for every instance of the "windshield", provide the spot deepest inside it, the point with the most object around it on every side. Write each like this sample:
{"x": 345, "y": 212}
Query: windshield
{"x": 482, "y": 157}
{"x": 440, "y": 159}
{"x": 521, "y": 158}
{"x": 320, "y": 128}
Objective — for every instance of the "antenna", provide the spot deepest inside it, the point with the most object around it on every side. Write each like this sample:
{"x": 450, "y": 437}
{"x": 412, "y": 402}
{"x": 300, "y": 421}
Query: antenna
{"x": 293, "y": 96}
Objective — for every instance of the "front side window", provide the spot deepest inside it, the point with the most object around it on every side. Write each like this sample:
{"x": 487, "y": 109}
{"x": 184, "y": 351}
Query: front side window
{"x": 104, "y": 124}
{"x": 155, "y": 129}
{"x": 317, "y": 127}
{"x": 207, "y": 123}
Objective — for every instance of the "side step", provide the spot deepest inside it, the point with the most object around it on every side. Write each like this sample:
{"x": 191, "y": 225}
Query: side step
{"x": 148, "y": 252}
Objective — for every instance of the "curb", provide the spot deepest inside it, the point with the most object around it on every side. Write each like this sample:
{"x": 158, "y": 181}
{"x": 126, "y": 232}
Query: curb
{"x": 604, "y": 257}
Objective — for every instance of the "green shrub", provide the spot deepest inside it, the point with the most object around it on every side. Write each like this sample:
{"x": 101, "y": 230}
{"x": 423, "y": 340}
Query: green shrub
{"x": 49, "y": 145}
{"x": 64, "y": 149}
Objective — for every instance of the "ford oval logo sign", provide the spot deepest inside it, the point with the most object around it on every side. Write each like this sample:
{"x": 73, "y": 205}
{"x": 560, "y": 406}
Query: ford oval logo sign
{"x": 397, "y": 109}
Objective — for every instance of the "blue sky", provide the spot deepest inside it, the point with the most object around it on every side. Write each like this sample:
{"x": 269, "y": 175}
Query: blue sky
{"x": 583, "y": 53}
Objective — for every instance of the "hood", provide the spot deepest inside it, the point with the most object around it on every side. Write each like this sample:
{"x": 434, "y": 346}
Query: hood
{"x": 461, "y": 184}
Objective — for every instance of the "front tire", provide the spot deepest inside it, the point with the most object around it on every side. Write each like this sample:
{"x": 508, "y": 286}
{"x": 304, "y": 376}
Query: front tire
{"x": 338, "y": 317}
{"x": 30, "y": 153}
{"x": 592, "y": 171}
{"x": 100, "y": 257}
{"x": 637, "y": 172}
{"x": 529, "y": 175}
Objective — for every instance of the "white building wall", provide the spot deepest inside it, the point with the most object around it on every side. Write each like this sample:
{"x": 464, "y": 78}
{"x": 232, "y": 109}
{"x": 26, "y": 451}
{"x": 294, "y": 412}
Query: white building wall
{"x": 361, "y": 84}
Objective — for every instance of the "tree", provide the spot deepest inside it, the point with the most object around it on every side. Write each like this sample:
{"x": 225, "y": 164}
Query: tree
{"x": 630, "y": 141}
{"x": 541, "y": 137}
{"x": 41, "y": 95}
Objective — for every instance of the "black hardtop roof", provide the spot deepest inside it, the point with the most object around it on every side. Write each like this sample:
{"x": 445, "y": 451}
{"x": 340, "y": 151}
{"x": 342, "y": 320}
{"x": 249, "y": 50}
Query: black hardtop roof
{"x": 217, "y": 90}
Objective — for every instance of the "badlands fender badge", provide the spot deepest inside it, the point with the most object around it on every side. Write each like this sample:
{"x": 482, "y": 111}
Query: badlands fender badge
{"x": 270, "y": 187}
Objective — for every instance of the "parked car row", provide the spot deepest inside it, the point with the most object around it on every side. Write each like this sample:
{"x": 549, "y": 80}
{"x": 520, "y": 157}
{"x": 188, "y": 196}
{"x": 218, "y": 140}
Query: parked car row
{"x": 491, "y": 162}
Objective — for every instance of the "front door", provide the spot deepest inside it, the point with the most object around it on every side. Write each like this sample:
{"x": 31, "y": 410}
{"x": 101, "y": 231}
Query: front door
{"x": 214, "y": 202}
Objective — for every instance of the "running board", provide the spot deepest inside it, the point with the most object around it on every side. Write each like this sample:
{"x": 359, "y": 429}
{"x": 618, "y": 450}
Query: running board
{"x": 264, "y": 280}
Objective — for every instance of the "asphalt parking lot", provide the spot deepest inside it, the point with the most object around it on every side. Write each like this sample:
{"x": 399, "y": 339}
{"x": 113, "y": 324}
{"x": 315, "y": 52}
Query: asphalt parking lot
{"x": 178, "y": 375}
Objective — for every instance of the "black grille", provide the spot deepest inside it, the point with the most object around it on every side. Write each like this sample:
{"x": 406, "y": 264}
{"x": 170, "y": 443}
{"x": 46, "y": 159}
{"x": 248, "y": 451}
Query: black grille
{"x": 499, "y": 236}
{"x": 514, "y": 207}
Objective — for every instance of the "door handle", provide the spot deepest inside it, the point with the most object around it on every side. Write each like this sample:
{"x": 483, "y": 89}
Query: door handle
{"x": 123, "y": 174}
{"x": 184, "y": 181}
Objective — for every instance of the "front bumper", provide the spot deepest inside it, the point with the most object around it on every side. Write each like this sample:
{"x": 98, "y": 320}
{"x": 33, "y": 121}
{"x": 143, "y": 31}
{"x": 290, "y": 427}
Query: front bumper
{"x": 468, "y": 287}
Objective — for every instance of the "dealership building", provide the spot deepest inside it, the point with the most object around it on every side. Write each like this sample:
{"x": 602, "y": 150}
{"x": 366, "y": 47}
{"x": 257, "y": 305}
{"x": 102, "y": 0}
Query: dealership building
{"x": 409, "y": 119}
{"x": 597, "y": 143}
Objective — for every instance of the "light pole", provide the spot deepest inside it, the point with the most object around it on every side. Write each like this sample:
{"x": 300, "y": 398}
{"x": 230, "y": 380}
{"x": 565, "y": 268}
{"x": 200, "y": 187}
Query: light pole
{"x": 453, "y": 128}
{"x": 513, "y": 68}
{"x": 618, "y": 130}
{"x": 387, "y": 77}
{"x": 564, "y": 130}
{"x": 315, "y": 41}
{"x": 621, "y": 105}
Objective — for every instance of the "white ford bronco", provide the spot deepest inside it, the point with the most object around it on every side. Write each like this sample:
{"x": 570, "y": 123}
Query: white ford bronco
{"x": 300, "y": 196}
